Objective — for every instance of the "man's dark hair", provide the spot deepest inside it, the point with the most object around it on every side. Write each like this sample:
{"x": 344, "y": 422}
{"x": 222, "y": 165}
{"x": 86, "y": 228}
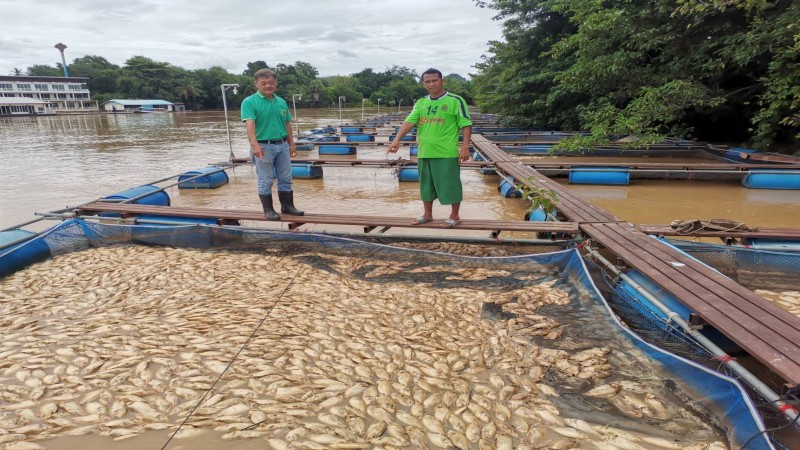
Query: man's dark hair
{"x": 431, "y": 71}
{"x": 265, "y": 73}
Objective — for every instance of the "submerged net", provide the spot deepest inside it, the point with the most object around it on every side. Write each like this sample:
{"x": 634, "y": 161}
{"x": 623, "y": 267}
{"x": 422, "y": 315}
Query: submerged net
{"x": 302, "y": 338}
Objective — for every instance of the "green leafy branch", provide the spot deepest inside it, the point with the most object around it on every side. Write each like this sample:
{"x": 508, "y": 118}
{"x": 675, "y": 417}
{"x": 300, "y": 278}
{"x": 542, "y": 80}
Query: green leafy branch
{"x": 540, "y": 198}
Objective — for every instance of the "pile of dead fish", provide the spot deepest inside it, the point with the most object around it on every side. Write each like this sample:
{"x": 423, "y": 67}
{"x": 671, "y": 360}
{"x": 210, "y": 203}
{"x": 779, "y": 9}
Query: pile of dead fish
{"x": 122, "y": 340}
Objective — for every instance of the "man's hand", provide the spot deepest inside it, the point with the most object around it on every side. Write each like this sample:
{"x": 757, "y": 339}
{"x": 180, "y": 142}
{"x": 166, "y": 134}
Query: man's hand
{"x": 463, "y": 153}
{"x": 257, "y": 151}
{"x": 393, "y": 147}
{"x": 292, "y": 150}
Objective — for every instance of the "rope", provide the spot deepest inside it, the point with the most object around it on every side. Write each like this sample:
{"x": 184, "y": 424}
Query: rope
{"x": 685, "y": 227}
{"x": 269, "y": 311}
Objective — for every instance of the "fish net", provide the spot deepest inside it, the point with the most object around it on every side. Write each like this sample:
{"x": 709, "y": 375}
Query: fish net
{"x": 514, "y": 350}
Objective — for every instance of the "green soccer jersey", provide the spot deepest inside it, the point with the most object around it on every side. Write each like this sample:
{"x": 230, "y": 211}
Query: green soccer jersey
{"x": 438, "y": 123}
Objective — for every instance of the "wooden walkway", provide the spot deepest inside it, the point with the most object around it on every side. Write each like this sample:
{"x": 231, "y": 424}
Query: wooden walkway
{"x": 791, "y": 234}
{"x": 769, "y": 333}
{"x": 368, "y": 222}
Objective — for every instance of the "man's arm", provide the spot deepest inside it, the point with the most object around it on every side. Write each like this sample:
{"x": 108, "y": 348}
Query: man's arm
{"x": 463, "y": 153}
{"x": 250, "y": 126}
{"x": 404, "y": 129}
{"x": 290, "y": 140}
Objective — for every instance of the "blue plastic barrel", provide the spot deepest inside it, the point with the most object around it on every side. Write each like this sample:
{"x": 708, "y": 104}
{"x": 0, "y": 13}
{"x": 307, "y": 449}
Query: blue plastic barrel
{"x": 477, "y": 157}
{"x": 537, "y": 215}
{"x": 408, "y": 137}
{"x": 334, "y": 149}
{"x": 360, "y": 138}
{"x": 735, "y": 153}
{"x": 488, "y": 171}
{"x": 352, "y": 129}
{"x": 772, "y": 179}
{"x": 413, "y": 150}
{"x": 159, "y": 198}
{"x": 210, "y": 181}
{"x": 7, "y": 237}
{"x": 304, "y": 146}
{"x": 326, "y": 139}
{"x": 771, "y": 244}
{"x": 508, "y": 190}
{"x": 409, "y": 172}
{"x": 306, "y": 171}
{"x": 600, "y": 175}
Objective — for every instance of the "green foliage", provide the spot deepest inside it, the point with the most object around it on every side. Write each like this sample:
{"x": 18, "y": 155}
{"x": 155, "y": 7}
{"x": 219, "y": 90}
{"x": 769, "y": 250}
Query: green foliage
{"x": 540, "y": 198}
{"x": 142, "y": 77}
{"x": 666, "y": 68}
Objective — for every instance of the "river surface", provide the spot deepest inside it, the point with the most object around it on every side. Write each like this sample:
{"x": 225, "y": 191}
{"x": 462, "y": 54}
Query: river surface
{"x": 52, "y": 162}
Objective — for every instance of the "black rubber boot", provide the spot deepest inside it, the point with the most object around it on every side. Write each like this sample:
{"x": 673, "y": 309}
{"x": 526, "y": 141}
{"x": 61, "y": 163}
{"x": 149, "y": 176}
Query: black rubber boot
{"x": 287, "y": 203}
{"x": 269, "y": 211}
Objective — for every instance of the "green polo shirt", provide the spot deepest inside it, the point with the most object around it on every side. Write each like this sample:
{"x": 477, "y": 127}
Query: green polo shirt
{"x": 438, "y": 124}
{"x": 270, "y": 116}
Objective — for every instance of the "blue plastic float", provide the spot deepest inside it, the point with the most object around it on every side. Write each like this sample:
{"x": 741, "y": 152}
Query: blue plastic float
{"x": 772, "y": 179}
{"x": 360, "y": 138}
{"x": 409, "y": 172}
{"x": 508, "y": 190}
{"x": 155, "y": 198}
{"x": 413, "y": 150}
{"x": 337, "y": 149}
{"x": 600, "y": 175}
{"x": 214, "y": 178}
{"x": 306, "y": 171}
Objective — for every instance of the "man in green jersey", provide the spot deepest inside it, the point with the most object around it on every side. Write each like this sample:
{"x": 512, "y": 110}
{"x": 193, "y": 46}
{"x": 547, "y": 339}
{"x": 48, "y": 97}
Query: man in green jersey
{"x": 269, "y": 130}
{"x": 438, "y": 117}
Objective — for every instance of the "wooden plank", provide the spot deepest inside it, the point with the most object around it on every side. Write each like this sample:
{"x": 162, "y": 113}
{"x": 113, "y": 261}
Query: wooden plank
{"x": 766, "y": 344}
{"x": 466, "y": 224}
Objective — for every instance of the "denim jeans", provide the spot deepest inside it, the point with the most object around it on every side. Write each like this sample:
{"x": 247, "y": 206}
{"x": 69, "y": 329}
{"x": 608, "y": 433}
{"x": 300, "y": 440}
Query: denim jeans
{"x": 276, "y": 163}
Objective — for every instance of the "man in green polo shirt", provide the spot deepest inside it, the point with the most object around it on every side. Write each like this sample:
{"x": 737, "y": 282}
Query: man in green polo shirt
{"x": 269, "y": 131}
{"x": 438, "y": 117}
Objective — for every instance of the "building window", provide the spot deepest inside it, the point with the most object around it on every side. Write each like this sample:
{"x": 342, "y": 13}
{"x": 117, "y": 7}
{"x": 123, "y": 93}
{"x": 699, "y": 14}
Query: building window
{"x": 6, "y": 87}
{"x": 28, "y": 95}
{"x": 58, "y": 87}
{"x": 75, "y": 87}
{"x": 41, "y": 87}
{"x": 8, "y": 95}
{"x": 44, "y": 95}
{"x": 24, "y": 87}
{"x": 63, "y": 96}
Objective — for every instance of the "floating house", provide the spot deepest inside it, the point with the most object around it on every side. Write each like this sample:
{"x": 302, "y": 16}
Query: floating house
{"x": 22, "y": 95}
{"x": 142, "y": 106}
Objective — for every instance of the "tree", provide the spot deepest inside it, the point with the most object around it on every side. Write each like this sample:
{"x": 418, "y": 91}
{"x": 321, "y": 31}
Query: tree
{"x": 686, "y": 68}
{"x": 189, "y": 92}
{"x": 43, "y": 70}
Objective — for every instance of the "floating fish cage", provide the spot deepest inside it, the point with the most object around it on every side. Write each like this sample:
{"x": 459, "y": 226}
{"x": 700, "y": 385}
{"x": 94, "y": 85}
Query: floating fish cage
{"x": 777, "y": 245}
{"x": 336, "y": 149}
{"x": 306, "y": 171}
{"x": 535, "y": 324}
{"x": 408, "y": 172}
{"x": 537, "y": 149}
{"x": 212, "y": 178}
{"x": 617, "y": 176}
{"x": 772, "y": 179}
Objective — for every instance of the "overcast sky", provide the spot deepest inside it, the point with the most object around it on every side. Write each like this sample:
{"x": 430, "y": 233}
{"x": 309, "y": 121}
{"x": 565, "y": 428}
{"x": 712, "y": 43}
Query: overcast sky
{"x": 336, "y": 37}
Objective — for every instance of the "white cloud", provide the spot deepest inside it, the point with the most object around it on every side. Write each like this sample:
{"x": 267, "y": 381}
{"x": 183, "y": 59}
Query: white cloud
{"x": 335, "y": 37}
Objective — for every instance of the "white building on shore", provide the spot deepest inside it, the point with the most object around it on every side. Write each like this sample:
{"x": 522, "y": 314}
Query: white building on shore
{"x": 59, "y": 95}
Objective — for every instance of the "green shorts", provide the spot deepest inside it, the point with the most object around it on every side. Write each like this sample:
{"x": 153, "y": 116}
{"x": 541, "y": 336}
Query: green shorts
{"x": 440, "y": 178}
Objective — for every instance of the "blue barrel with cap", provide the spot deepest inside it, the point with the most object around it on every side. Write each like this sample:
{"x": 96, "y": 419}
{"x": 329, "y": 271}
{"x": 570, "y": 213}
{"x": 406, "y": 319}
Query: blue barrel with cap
{"x": 352, "y": 130}
{"x": 306, "y": 170}
{"x": 537, "y": 215}
{"x": 409, "y": 172}
{"x": 508, "y": 190}
{"x": 213, "y": 177}
{"x": 336, "y": 149}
